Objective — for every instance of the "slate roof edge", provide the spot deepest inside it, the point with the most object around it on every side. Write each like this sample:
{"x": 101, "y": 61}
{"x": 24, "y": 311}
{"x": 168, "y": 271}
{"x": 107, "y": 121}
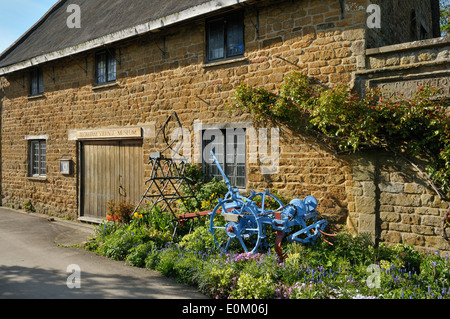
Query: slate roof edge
{"x": 192, "y": 12}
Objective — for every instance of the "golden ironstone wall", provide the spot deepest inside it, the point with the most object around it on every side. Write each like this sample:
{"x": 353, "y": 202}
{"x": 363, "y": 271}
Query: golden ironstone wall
{"x": 166, "y": 71}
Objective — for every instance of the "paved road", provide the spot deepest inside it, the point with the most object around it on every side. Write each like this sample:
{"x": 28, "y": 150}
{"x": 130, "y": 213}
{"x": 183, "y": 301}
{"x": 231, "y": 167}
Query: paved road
{"x": 33, "y": 265}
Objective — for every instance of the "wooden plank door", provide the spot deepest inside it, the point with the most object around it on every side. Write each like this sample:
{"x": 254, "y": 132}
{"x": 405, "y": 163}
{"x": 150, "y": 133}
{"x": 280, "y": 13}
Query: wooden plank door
{"x": 111, "y": 170}
{"x": 131, "y": 176}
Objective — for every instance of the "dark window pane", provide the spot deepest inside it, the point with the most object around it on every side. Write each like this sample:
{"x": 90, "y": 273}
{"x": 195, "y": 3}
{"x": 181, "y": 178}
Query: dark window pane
{"x": 101, "y": 68}
{"x": 33, "y": 84}
{"x": 36, "y": 82}
{"x": 42, "y": 157}
{"x": 235, "y": 36}
{"x": 213, "y": 140}
{"x": 40, "y": 82}
{"x": 216, "y": 40}
{"x": 34, "y": 158}
{"x": 111, "y": 68}
{"x": 105, "y": 67}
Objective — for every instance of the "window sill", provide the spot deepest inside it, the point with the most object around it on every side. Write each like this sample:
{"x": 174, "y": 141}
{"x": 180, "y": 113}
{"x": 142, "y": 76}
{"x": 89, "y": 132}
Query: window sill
{"x": 37, "y": 178}
{"x": 37, "y": 96}
{"x": 224, "y": 62}
{"x": 105, "y": 86}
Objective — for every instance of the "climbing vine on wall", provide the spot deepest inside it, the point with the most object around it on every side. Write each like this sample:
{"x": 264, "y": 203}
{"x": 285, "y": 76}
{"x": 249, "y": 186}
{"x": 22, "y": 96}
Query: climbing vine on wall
{"x": 416, "y": 127}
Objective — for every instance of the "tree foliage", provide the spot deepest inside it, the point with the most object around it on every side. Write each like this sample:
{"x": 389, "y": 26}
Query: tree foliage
{"x": 445, "y": 16}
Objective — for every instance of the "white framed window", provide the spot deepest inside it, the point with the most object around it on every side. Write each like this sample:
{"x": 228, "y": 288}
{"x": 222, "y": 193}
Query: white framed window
{"x": 229, "y": 147}
{"x": 38, "y": 157}
{"x": 105, "y": 67}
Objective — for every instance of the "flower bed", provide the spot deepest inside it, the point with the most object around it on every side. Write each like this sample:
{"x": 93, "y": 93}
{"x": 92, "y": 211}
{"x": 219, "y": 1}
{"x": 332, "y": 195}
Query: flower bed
{"x": 350, "y": 269}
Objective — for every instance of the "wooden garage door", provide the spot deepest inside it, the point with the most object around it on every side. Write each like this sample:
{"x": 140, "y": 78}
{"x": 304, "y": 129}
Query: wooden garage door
{"x": 110, "y": 170}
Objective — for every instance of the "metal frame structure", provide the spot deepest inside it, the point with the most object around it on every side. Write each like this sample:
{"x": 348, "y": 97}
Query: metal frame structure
{"x": 167, "y": 175}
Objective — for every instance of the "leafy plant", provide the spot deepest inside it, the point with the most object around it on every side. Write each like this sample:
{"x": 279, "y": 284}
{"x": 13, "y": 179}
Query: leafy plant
{"x": 119, "y": 212}
{"x": 28, "y": 206}
{"x": 136, "y": 255}
{"x": 346, "y": 122}
{"x": 445, "y": 16}
{"x": 310, "y": 271}
{"x": 206, "y": 192}
{"x": 199, "y": 240}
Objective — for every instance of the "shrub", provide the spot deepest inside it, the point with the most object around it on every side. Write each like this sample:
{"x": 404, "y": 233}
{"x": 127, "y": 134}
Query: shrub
{"x": 119, "y": 212}
{"x": 166, "y": 262}
{"x": 199, "y": 240}
{"x": 249, "y": 287}
{"x": 156, "y": 219}
{"x": 117, "y": 245}
{"x": 186, "y": 267}
{"x": 136, "y": 255}
{"x": 206, "y": 191}
{"x": 152, "y": 259}
{"x": 116, "y": 242}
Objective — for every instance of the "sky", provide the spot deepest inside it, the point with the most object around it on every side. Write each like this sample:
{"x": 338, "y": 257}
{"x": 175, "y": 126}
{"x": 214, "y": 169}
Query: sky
{"x": 17, "y": 16}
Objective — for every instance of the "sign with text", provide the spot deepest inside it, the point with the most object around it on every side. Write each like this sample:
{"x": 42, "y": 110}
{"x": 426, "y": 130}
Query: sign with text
{"x": 132, "y": 132}
{"x": 407, "y": 88}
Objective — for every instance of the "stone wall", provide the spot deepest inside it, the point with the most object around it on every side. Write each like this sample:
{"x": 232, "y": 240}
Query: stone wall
{"x": 393, "y": 201}
{"x": 401, "y": 21}
{"x": 163, "y": 72}
{"x": 389, "y": 197}
{"x": 166, "y": 71}
{"x": 404, "y": 67}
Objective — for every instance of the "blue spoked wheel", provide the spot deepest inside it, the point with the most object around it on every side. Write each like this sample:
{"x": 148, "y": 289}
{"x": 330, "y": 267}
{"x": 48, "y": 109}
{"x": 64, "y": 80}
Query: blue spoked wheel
{"x": 236, "y": 226}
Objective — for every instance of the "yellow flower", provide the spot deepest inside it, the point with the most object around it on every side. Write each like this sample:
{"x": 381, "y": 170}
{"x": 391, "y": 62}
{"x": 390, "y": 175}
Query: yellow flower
{"x": 136, "y": 214}
{"x": 140, "y": 215}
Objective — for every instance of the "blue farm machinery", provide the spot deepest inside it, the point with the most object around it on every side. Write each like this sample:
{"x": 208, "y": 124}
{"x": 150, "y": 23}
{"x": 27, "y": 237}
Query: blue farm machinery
{"x": 236, "y": 222}
{"x": 242, "y": 222}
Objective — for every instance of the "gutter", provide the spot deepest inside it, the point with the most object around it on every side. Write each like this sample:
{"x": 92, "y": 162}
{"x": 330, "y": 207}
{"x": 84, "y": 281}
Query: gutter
{"x": 151, "y": 26}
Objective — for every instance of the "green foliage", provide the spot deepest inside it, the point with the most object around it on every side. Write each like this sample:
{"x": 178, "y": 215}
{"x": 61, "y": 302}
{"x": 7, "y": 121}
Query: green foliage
{"x": 118, "y": 242}
{"x": 166, "y": 262}
{"x": 361, "y": 251}
{"x": 249, "y": 287}
{"x": 199, "y": 240}
{"x": 136, "y": 255}
{"x": 155, "y": 219}
{"x": 417, "y": 126}
{"x": 310, "y": 271}
{"x": 206, "y": 192}
{"x": 28, "y": 206}
{"x": 445, "y": 17}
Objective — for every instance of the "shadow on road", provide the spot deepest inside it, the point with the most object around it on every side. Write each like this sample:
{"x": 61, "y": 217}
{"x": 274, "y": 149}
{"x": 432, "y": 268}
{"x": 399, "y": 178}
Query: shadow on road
{"x": 34, "y": 283}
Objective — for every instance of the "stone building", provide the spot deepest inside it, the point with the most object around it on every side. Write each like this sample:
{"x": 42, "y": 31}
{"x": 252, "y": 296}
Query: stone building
{"x": 84, "y": 91}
